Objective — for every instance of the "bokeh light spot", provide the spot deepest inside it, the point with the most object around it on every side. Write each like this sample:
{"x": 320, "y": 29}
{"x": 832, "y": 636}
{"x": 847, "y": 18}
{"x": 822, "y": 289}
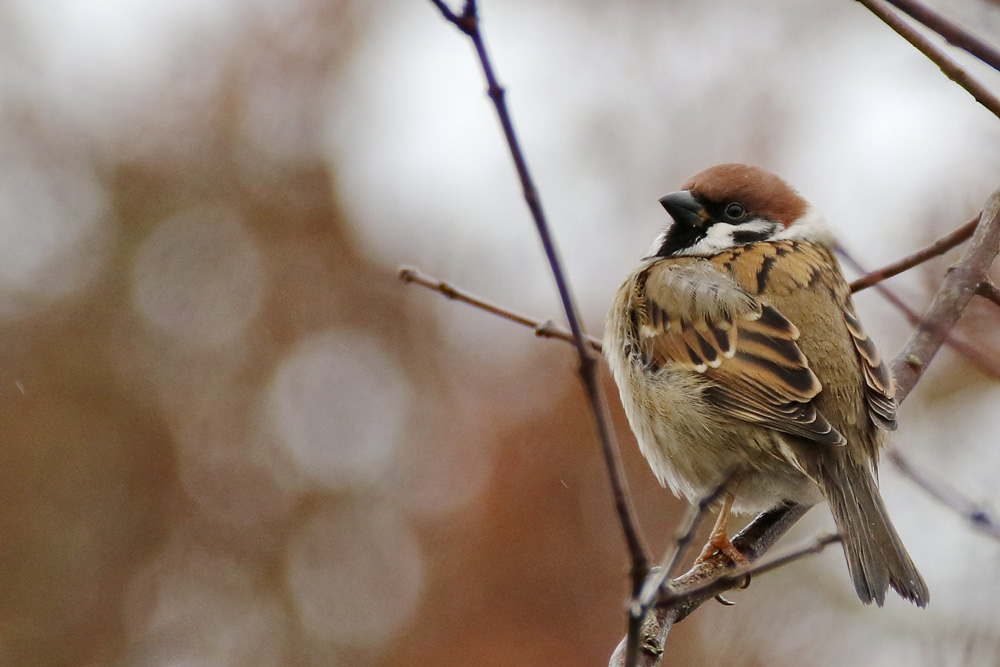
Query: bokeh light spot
{"x": 193, "y": 607}
{"x": 339, "y": 407}
{"x": 355, "y": 575}
{"x": 53, "y": 226}
{"x": 198, "y": 278}
{"x": 229, "y": 470}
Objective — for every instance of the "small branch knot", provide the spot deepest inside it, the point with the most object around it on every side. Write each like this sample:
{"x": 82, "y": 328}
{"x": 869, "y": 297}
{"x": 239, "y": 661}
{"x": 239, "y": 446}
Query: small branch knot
{"x": 546, "y": 329}
{"x": 651, "y": 644}
{"x": 467, "y": 23}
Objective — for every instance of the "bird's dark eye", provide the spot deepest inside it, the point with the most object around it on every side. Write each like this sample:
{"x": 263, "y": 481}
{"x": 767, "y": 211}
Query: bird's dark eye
{"x": 735, "y": 211}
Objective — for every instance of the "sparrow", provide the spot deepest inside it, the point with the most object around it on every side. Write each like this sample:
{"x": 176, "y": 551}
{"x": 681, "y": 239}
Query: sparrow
{"x": 740, "y": 360}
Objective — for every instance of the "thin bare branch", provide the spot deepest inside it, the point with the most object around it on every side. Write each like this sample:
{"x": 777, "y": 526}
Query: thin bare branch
{"x": 752, "y": 542}
{"x": 949, "y": 67}
{"x": 684, "y": 534}
{"x": 451, "y": 16}
{"x": 543, "y": 329}
{"x": 955, "y": 33}
{"x": 736, "y": 578}
{"x": 974, "y": 513}
{"x": 959, "y": 285}
{"x": 686, "y": 530}
{"x": 939, "y": 247}
{"x": 468, "y": 23}
{"x": 658, "y": 577}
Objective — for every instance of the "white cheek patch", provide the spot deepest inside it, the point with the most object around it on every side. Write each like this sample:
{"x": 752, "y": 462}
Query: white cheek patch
{"x": 718, "y": 238}
{"x": 810, "y": 227}
{"x": 723, "y": 236}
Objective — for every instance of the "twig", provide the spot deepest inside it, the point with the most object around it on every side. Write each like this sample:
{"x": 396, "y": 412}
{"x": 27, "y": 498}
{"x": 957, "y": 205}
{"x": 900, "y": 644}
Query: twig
{"x": 983, "y": 362}
{"x": 658, "y": 577}
{"x": 939, "y": 247}
{"x": 974, "y": 513}
{"x": 728, "y": 581}
{"x": 468, "y": 23}
{"x": 960, "y": 283}
{"x": 752, "y": 541}
{"x": 955, "y": 33}
{"x": 949, "y": 67}
{"x": 969, "y": 510}
{"x": 542, "y": 329}
{"x": 687, "y": 528}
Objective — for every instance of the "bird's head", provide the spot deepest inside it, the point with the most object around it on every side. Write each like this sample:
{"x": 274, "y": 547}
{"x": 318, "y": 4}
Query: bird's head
{"x": 731, "y": 205}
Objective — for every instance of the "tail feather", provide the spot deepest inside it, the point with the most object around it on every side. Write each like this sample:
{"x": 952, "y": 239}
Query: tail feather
{"x": 875, "y": 555}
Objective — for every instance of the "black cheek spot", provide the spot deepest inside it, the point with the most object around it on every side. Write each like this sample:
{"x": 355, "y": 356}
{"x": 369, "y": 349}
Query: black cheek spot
{"x": 746, "y": 236}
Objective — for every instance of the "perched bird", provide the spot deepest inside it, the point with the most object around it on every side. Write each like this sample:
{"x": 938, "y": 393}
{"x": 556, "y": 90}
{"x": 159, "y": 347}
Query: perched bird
{"x": 739, "y": 357}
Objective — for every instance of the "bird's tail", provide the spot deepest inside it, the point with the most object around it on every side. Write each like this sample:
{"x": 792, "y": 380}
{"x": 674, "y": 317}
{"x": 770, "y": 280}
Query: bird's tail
{"x": 876, "y": 556}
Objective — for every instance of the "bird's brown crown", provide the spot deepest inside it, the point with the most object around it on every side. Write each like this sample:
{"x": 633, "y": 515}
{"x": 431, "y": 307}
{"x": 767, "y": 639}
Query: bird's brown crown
{"x": 762, "y": 193}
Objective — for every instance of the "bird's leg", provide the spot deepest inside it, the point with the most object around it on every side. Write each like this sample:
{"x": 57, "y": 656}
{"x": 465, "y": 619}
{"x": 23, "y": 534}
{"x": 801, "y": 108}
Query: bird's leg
{"x": 718, "y": 540}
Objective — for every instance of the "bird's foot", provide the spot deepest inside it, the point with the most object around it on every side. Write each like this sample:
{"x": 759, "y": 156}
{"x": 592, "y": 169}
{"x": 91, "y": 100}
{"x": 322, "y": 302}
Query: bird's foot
{"x": 721, "y": 542}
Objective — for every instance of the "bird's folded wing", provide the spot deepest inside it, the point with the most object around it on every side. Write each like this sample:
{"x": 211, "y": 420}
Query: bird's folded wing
{"x": 695, "y": 318}
{"x": 880, "y": 387}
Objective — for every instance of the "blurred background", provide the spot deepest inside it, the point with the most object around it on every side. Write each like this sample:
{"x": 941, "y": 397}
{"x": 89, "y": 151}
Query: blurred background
{"x": 229, "y": 436}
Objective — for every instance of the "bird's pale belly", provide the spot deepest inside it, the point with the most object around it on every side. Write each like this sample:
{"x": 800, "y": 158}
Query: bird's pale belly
{"x": 691, "y": 447}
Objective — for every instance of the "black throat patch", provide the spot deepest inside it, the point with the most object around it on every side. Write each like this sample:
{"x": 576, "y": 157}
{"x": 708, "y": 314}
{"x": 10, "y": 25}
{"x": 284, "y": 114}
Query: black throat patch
{"x": 681, "y": 237}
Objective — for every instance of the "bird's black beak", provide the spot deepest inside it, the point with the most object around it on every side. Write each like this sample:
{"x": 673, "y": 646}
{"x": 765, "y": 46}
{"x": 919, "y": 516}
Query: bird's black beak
{"x": 685, "y": 209}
